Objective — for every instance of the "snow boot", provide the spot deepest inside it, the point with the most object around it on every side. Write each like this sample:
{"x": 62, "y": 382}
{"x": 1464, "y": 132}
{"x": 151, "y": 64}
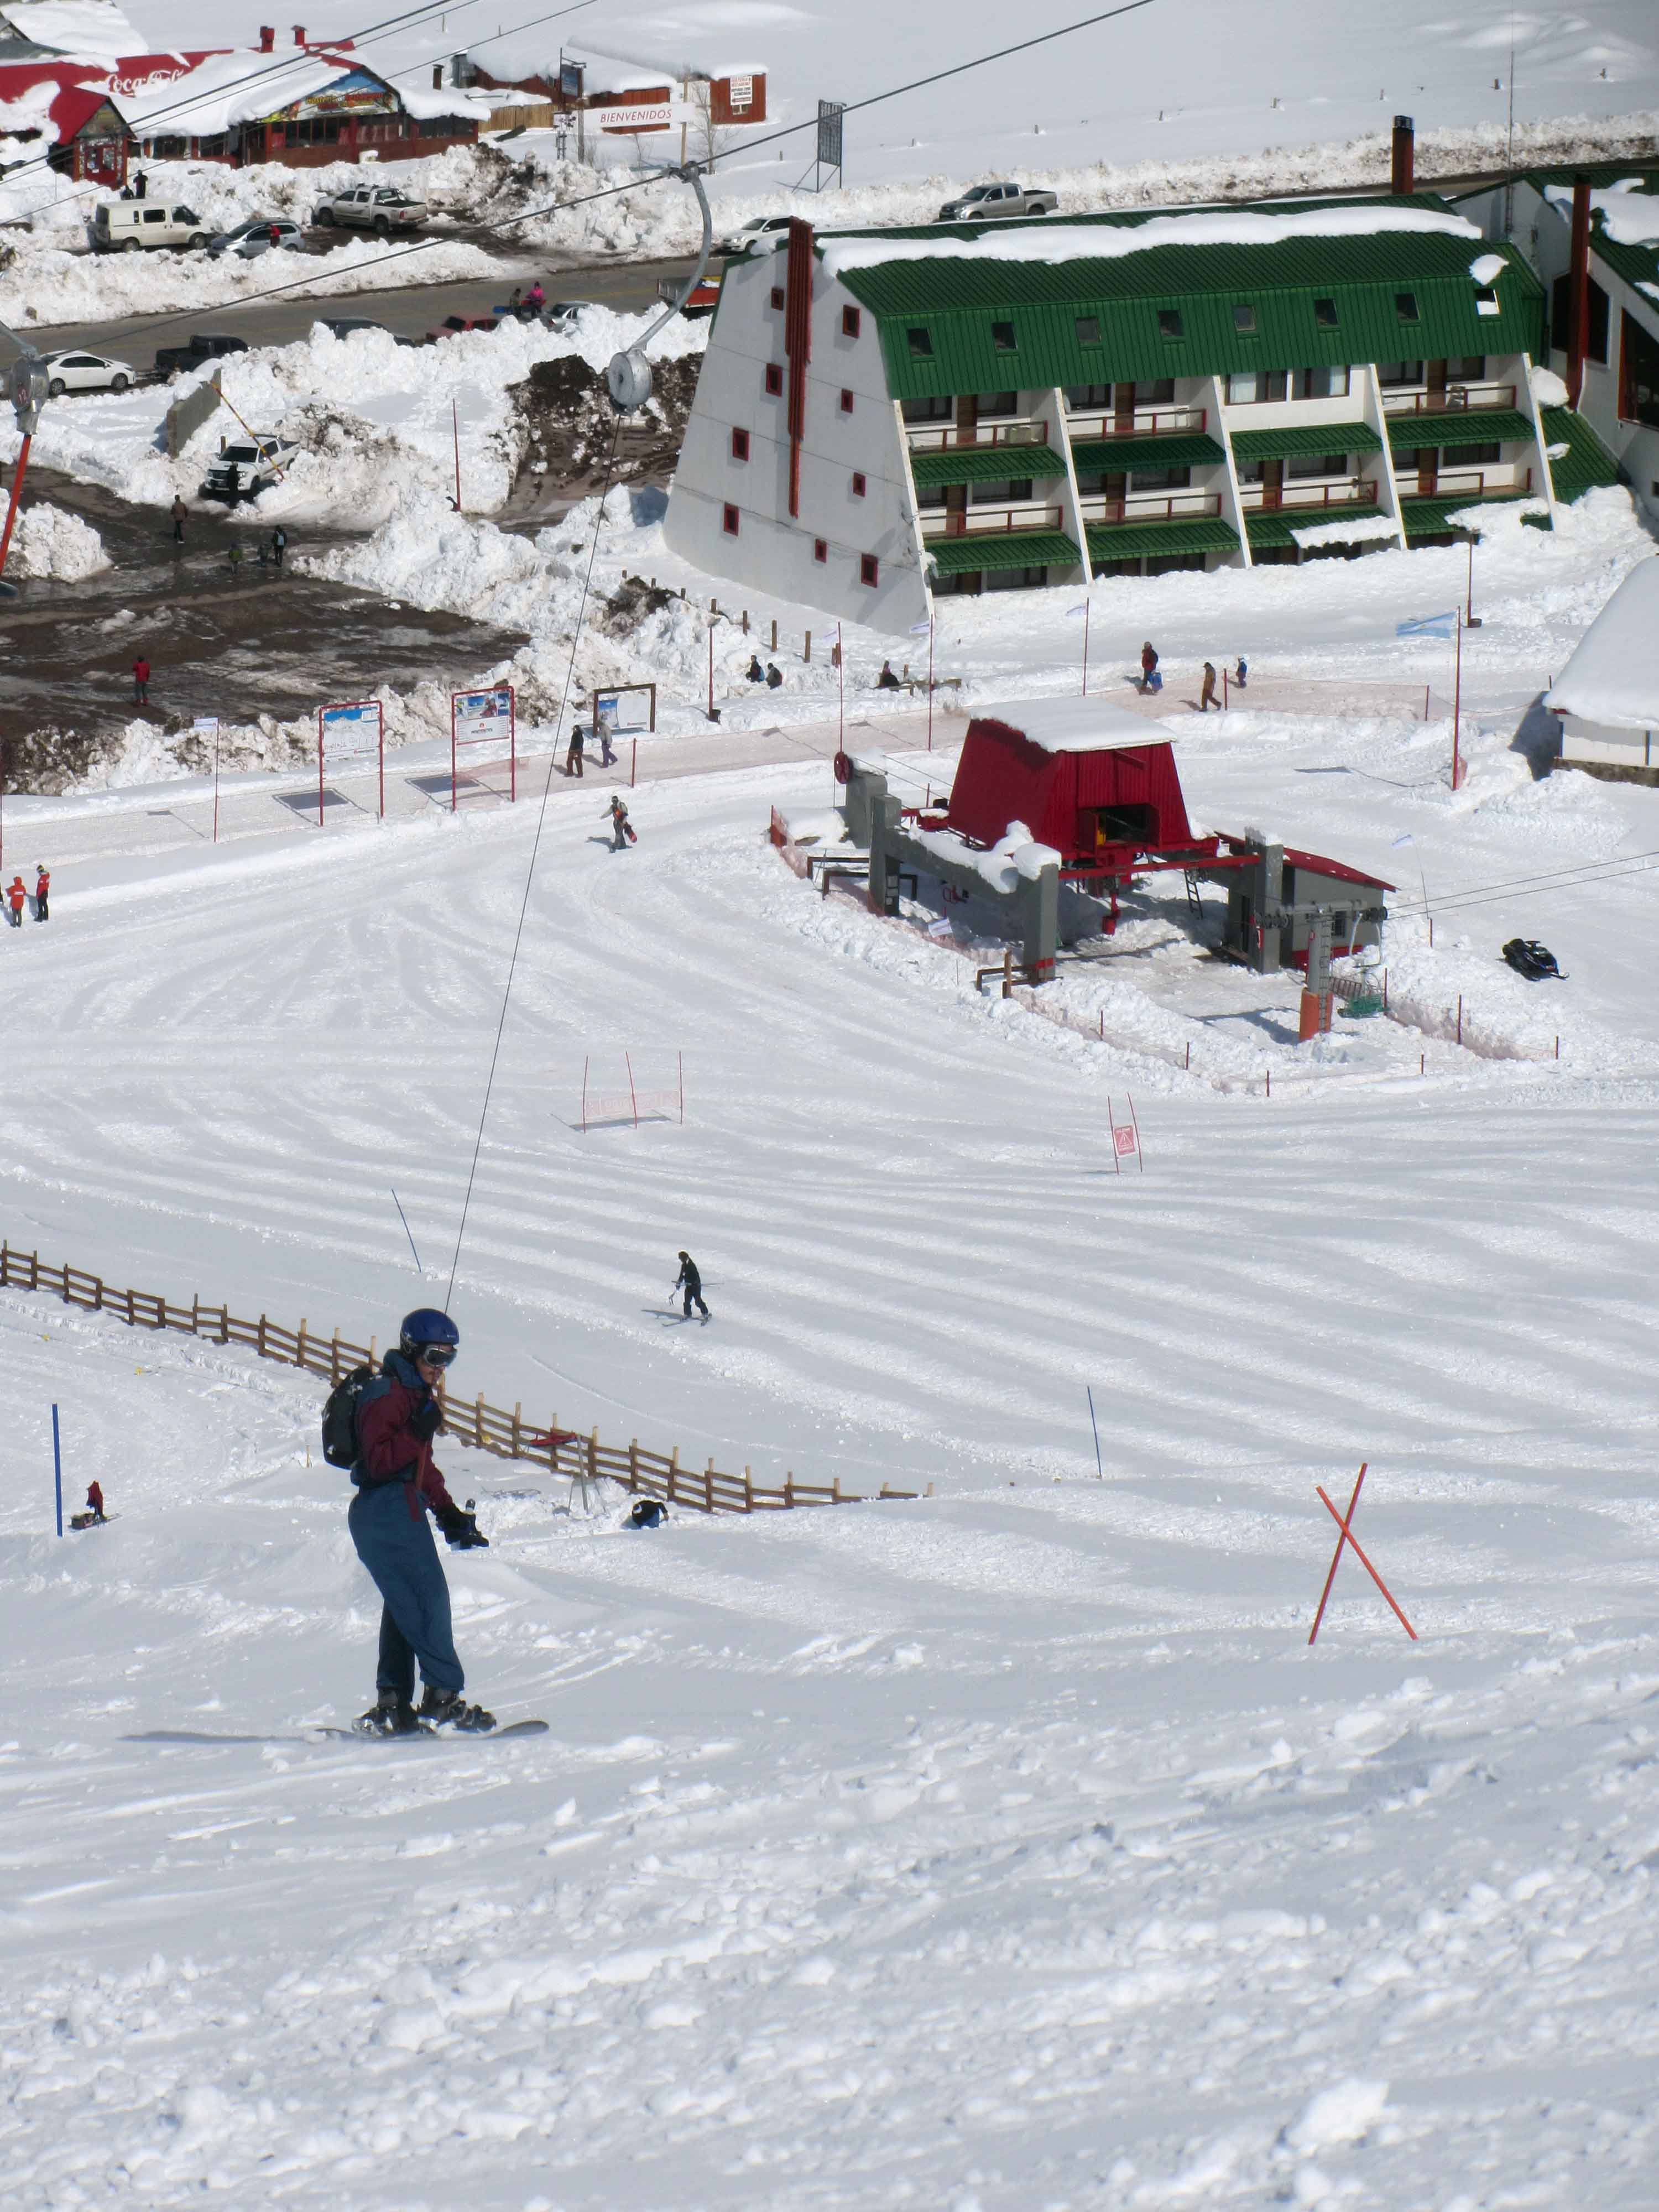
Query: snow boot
{"x": 449, "y": 1708}
{"x": 390, "y": 1714}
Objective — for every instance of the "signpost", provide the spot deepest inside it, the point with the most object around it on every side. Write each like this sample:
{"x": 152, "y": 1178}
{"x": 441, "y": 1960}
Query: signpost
{"x": 207, "y": 726}
{"x": 829, "y": 145}
{"x": 483, "y": 718}
{"x": 346, "y": 734}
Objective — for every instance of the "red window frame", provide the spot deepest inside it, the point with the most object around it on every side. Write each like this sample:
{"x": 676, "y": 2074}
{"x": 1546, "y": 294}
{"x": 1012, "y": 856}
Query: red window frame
{"x": 740, "y": 444}
{"x": 773, "y": 379}
{"x": 852, "y": 322}
{"x": 777, "y": 296}
{"x": 729, "y": 519}
{"x": 820, "y": 549}
{"x": 845, "y": 402}
{"x": 861, "y": 483}
{"x": 869, "y": 568}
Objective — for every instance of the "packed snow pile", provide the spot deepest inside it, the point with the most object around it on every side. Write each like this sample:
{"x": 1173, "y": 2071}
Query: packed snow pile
{"x": 431, "y": 555}
{"x": 1015, "y": 858}
{"x": 49, "y": 542}
{"x": 1612, "y": 677}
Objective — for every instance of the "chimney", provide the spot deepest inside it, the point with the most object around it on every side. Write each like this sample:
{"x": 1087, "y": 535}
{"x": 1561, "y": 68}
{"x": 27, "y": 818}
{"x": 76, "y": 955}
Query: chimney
{"x": 1402, "y": 158}
{"x": 267, "y": 38}
{"x": 1578, "y": 290}
{"x": 299, "y": 34}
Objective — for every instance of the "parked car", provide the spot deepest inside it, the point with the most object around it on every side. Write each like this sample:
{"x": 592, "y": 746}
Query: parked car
{"x": 452, "y": 325}
{"x": 380, "y": 208}
{"x": 133, "y": 226}
{"x": 200, "y": 349}
{"x": 250, "y": 466}
{"x": 751, "y": 233}
{"x": 702, "y": 299}
{"x": 86, "y": 372}
{"x": 551, "y": 314}
{"x": 344, "y": 327}
{"x": 994, "y": 203}
{"x": 1532, "y": 960}
{"x": 256, "y": 236}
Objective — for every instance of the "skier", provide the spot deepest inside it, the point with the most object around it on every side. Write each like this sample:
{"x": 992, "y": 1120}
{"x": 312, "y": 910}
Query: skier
{"x": 95, "y": 1501}
{"x": 1207, "y": 697}
{"x": 1150, "y": 678}
{"x": 141, "y": 682}
{"x": 693, "y": 1283}
{"x": 278, "y": 546}
{"x": 16, "y": 896}
{"x": 1241, "y": 671}
{"x": 42, "y": 893}
{"x": 621, "y": 829}
{"x": 573, "y": 758}
{"x": 179, "y": 511}
{"x": 397, "y": 1417}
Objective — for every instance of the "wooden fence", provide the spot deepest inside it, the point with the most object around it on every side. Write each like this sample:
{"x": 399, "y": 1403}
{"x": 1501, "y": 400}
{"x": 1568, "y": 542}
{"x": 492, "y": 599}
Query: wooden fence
{"x": 471, "y": 1421}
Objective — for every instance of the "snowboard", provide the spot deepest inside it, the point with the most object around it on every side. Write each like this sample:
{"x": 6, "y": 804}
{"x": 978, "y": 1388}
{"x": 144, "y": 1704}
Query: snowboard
{"x": 348, "y": 1735}
{"x": 92, "y": 1520}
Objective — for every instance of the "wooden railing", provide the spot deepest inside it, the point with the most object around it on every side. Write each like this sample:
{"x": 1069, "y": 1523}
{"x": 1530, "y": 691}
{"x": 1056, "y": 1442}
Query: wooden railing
{"x": 1298, "y": 492}
{"x": 1090, "y": 426}
{"x": 979, "y": 521}
{"x": 1173, "y": 506}
{"x": 945, "y": 437}
{"x": 485, "y": 1427}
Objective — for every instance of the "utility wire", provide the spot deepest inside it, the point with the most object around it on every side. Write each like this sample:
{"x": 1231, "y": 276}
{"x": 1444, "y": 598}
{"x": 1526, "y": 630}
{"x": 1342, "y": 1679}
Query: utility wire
{"x": 1527, "y": 886}
{"x": 1453, "y": 905}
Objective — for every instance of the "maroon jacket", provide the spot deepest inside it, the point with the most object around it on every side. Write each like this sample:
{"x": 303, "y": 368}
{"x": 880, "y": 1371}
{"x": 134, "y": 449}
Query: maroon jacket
{"x": 387, "y": 1451}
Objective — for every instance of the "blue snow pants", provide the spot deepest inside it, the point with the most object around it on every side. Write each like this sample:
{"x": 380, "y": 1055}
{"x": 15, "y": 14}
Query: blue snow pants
{"x": 397, "y": 1549}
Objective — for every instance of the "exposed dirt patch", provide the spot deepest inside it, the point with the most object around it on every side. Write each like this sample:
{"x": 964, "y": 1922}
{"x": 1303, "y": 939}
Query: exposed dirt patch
{"x": 569, "y": 425}
{"x": 620, "y": 614}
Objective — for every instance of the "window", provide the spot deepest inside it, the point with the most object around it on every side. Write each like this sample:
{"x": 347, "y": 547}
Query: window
{"x": 1393, "y": 375}
{"x": 1087, "y": 328}
{"x": 1317, "y": 465}
{"x": 1159, "y": 392}
{"x": 869, "y": 568}
{"x": 994, "y": 491}
{"x": 852, "y": 322}
{"x": 1325, "y": 317}
{"x": 1416, "y": 458}
{"x": 931, "y": 495}
{"x": 921, "y": 343}
{"x": 1003, "y": 339}
{"x": 995, "y": 405}
{"x": 1250, "y": 386}
{"x": 729, "y": 521}
{"x": 156, "y": 214}
{"x": 1244, "y": 319}
{"x": 1321, "y": 384}
{"x": 740, "y": 444}
{"x": 773, "y": 379}
{"x": 1561, "y": 320}
{"x": 859, "y": 485}
{"x": 1160, "y": 479}
{"x": 941, "y": 410}
{"x": 1638, "y": 378}
{"x": 1169, "y": 323}
{"x": 1466, "y": 368}
{"x": 1250, "y": 472}
{"x": 1405, "y": 306}
{"x": 1081, "y": 396}
{"x": 1471, "y": 456}
{"x": 1016, "y": 580}
{"x": 820, "y": 549}
{"x": 169, "y": 149}
{"x": 209, "y": 149}
{"x": 845, "y": 403}
{"x": 777, "y": 297}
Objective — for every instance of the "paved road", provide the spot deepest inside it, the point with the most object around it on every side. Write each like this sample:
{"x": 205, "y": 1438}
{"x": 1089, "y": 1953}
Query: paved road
{"x": 629, "y": 287}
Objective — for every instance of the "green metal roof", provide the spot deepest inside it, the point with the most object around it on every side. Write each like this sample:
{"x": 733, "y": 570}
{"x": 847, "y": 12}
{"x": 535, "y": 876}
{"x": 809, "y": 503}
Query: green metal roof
{"x": 1637, "y": 265}
{"x": 1114, "y": 457}
{"x": 957, "y": 300}
{"x": 1462, "y": 426}
{"x": 1426, "y": 517}
{"x": 1003, "y": 549}
{"x": 1126, "y": 541}
{"x": 1588, "y": 464}
{"x": 1280, "y": 526}
{"x": 986, "y": 464}
{"x": 1269, "y": 529}
{"x": 1306, "y": 438}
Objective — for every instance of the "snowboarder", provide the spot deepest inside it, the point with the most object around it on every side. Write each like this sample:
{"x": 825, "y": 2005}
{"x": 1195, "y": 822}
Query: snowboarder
{"x": 141, "y": 682}
{"x": 42, "y": 894}
{"x": 95, "y": 1501}
{"x": 773, "y": 675}
{"x": 692, "y": 1282}
{"x": 278, "y": 546}
{"x": 1241, "y": 671}
{"x": 573, "y": 758}
{"x": 754, "y": 673}
{"x": 1207, "y": 697}
{"x": 1150, "y": 678}
{"x": 621, "y": 829}
{"x": 887, "y": 681}
{"x": 397, "y": 1486}
{"x": 179, "y": 511}
{"x": 16, "y": 896}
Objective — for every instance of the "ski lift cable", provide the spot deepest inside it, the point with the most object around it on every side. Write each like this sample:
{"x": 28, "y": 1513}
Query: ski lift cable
{"x": 501, "y": 223}
{"x": 1559, "y": 879}
{"x": 1454, "y": 905}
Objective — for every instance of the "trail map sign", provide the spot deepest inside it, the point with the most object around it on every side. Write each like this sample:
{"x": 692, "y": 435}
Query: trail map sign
{"x": 347, "y": 736}
{"x": 482, "y": 717}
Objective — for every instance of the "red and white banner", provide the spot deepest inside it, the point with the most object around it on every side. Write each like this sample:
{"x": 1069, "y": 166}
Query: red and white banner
{"x": 483, "y": 718}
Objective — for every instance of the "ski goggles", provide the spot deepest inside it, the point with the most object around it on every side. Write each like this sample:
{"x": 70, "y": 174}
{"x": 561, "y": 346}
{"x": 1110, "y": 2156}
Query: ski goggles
{"x": 434, "y": 1355}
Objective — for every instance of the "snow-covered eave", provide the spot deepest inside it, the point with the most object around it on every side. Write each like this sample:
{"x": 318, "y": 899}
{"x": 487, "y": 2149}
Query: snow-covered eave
{"x": 1015, "y": 858}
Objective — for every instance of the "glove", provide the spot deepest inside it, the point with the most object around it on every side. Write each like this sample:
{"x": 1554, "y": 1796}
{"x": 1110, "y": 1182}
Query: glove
{"x": 425, "y": 1423}
{"x": 460, "y": 1529}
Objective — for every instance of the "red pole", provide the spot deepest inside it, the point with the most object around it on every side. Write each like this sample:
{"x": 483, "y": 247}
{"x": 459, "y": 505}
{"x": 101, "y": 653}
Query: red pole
{"x": 512, "y": 746}
{"x": 711, "y": 671}
{"x": 320, "y": 768}
{"x": 682, "y": 1060}
{"x": 1325, "y": 1593}
{"x": 632, "y": 1100}
{"x": 1469, "y": 621}
{"x": 584, "y": 1095}
{"x": 840, "y": 669}
{"x": 455, "y": 424}
{"x": 452, "y": 752}
{"x": 379, "y": 719}
{"x": 16, "y": 494}
{"x": 633, "y": 763}
{"x": 216, "y": 781}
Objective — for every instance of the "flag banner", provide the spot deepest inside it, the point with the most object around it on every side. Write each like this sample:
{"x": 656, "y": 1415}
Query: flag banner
{"x": 1428, "y": 625}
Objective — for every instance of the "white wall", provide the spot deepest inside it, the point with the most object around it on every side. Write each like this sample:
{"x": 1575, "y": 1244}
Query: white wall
{"x": 773, "y": 552}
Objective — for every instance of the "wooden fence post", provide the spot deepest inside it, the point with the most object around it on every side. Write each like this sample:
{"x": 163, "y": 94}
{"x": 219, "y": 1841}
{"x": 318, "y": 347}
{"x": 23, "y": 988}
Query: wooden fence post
{"x": 807, "y": 653}
{"x": 593, "y": 1456}
{"x": 478, "y": 1422}
{"x": 673, "y": 1472}
{"x": 835, "y": 1497}
{"x": 131, "y": 1319}
{"x": 299, "y": 1347}
{"x": 789, "y": 1489}
{"x": 708, "y": 1487}
{"x": 517, "y": 1410}
{"x": 34, "y": 1271}
{"x": 334, "y": 1359}
{"x": 195, "y": 1313}
{"x": 775, "y": 633}
{"x": 748, "y": 1491}
{"x": 633, "y": 1462}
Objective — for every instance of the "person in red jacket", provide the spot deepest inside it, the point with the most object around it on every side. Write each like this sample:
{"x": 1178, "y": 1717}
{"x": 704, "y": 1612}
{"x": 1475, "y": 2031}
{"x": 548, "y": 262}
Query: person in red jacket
{"x": 95, "y": 1501}
{"x": 141, "y": 682}
{"x": 42, "y": 893}
{"x": 398, "y": 1485}
{"x": 16, "y": 897}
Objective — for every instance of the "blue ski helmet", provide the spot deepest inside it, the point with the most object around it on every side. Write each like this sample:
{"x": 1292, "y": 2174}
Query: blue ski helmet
{"x": 427, "y": 1328}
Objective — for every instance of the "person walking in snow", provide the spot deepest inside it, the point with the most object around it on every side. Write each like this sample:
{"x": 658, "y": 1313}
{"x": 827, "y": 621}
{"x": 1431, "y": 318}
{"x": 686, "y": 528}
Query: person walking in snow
{"x": 1207, "y": 697}
{"x": 573, "y": 758}
{"x": 95, "y": 1501}
{"x": 42, "y": 894}
{"x": 1240, "y": 672}
{"x": 140, "y": 186}
{"x": 621, "y": 829}
{"x": 397, "y": 1484}
{"x": 692, "y": 1283}
{"x": 1150, "y": 678}
{"x": 141, "y": 682}
{"x": 278, "y": 546}
{"x": 179, "y": 511}
{"x": 16, "y": 895}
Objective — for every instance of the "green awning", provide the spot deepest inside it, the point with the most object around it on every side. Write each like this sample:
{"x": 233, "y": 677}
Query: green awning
{"x": 1278, "y": 526}
{"x": 1586, "y": 465}
{"x": 1116, "y": 457}
{"x": 1128, "y": 541}
{"x": 982, "y": 464}
{"x": 1459, "y": 426}
{"x": 1002, "y": 548}
{"x": 1306, "y": 438}
{"x": 1427, "y": 518}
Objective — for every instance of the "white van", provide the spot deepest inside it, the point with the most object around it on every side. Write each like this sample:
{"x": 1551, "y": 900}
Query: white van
{"x": 130, "y": 226}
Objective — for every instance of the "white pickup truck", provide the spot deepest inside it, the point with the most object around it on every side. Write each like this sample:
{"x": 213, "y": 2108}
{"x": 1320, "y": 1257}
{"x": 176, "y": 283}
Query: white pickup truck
{"x": 380, "y": 207}
{"x": 991, "y": 202}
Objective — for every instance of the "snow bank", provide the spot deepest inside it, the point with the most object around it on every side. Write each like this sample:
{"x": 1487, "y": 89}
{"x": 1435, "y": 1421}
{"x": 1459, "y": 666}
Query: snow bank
{"x": 1612, "y": 677}
{"x": 49, "y": 542}
{"x": 1341, "y": 2114}
{"x": 435, "y": 558}
{"x": 1629, "y": 212}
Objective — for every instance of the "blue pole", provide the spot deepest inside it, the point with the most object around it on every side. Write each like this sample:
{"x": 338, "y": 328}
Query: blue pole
{"x": 58, "y": 1469}
{"x": 1095, "y": 1426}
{"x": 408, "y": 1232}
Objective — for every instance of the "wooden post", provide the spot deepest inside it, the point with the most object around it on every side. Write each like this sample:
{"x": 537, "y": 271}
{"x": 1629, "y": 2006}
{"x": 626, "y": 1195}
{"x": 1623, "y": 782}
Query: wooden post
{"x": 789, "y": 1489}
{"x": 477, "y": 1422}
{"x": 34, "y": 1271}
{"x": 806, "y": 651}
{"x": 98, "y": 1301}
{"x": 748, "y": 1493}
{"x": 262, "y": 1336}
{"x": 334, "y": 1359}
{"x": 593, "y": 1456}
{"x": 745, "y": 621}
{"x": 673, "y": 1472}
{"x": 299, "y": 1347}
{"x": 516, "y": 1425}
{"x": 633, "y": 1462}
{"x": 131, "y": 1321}
{"x": 835, "y": 1491}
{"x": 708, "y": 1487}
{"x": 775, "y": 633}
{"x": 195, "y": 1313}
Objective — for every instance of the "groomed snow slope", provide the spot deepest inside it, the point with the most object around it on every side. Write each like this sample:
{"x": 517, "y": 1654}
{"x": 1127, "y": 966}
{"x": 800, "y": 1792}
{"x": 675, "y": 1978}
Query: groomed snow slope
{"x": 1004, "y": 1849}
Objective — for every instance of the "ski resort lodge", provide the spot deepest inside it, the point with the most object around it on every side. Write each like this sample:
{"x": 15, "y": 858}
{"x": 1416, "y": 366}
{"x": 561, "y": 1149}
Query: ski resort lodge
{"x": 883, "y": 417}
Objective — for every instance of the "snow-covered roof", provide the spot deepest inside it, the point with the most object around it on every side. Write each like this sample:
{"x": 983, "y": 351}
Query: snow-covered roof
{"x": 226, "y": 90}
{"x": 1614, "y": 676}
{"x": 1074, "y": 726}
{"x": 1630, "y": 215}
{"x": 1016, "y": 854}
{"x": 95, "y": 30}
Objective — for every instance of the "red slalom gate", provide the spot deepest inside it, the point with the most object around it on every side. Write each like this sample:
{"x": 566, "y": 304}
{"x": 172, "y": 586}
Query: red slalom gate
{"x": 482, "y": 718}
{"x": 1346, "y": 1524}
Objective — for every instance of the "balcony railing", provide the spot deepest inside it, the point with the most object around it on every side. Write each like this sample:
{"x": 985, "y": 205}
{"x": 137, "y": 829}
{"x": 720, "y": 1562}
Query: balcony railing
{"x": 1455, "y": 399}
{"x": 1350, "y": 491}
{"x": 1173, "y": 506}
{"x": 983, "y": 521}
{"x": 1087, "y": 428}
{"x": 1505, "y": 480}
{"x": 946, "y": 437}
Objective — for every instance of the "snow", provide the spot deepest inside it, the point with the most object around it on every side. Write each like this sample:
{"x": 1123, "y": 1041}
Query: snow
{"x": 1612, "y": 677}
{"x": 1548, "y": 390}
{"x": 1362, "y": 528}
{"x": 1016, "y": 856}
{"x": 49, "y": 542}
{"x": 230, "y": 88}
{"x": 1069, "y": 726}
{"x": 1487, "y": 268}
{"x": 96, "y": 28}
{"x": 1051, "y": 239}
{"x": 1630, "y": 214}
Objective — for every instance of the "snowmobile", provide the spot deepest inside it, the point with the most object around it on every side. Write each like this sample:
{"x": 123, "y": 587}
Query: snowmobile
{"x": 1532, "y": 960}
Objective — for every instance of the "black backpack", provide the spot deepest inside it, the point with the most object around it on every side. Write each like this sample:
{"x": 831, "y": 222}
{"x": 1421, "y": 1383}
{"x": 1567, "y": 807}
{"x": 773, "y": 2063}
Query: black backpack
{"x": 340, "y": 1418}
{"x": 647, "y": 1513}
